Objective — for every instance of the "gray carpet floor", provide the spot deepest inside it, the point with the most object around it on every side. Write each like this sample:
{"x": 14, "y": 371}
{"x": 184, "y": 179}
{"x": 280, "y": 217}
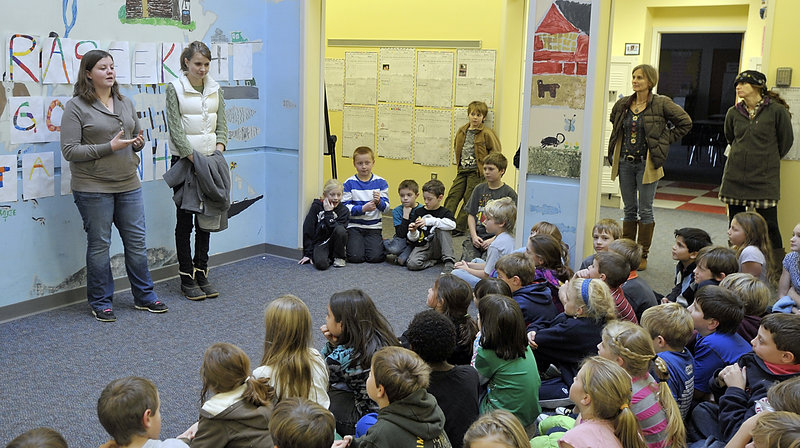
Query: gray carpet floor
{"x": 53, "y": 365}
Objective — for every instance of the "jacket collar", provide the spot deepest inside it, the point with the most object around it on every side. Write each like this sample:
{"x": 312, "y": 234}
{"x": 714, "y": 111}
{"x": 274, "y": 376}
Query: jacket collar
{"x": 209, "y": 85}
{"x": 102, "y": 108}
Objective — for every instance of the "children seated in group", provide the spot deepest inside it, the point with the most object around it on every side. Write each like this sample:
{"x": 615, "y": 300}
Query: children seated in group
{"x": 499, "y": 217}
{"x": 130, "y": 411}
{"x": 409, "y": 415}
{"x": 238, "y": 411}
{"x": 755, "y": 296}
{"x": 39, "y": 438}
{"x": 292, "y": 367}
{"x": 573, "y": 334}
{"x": 638, "y": 293}
{"x": 603, "y": 233}
{"x": 483, "y": 288}
{"x": 671, "y": 327}
{"x": 688, "y": 242}
{"x": 783, "y": 397}
{"x": 451, "y": 297}
{"x": 300, "y": 423}
{"x": 712, "y": 264}
{"x": 473, "y": 143}
{"x": 429, "y": 231}
{"x": 546, "y": 228}
{"x": 716, "y": 313}
{"x": 613, "y": 269}
{"x": 777, "y": 430}
{"x": 749, "y": 236}
{"x": 401, "y": 218}
{"x": 630, "y": 346}
{"x": 504, "y": 358}
{"x": 789, "y": 283}
{"x": 496, "y": 429}
{"x": 477, "y": 243}
{"x": 602, "y": 395}
{"x": 545, "y": 254}
{"x": 355, "y": 330}
{"x": 325, "y": 229}
{"x": 531, "y": 293}
{"x": 740, "y": 388}
{"x": 456, "y": 387}
{"x": 366, "y": 195}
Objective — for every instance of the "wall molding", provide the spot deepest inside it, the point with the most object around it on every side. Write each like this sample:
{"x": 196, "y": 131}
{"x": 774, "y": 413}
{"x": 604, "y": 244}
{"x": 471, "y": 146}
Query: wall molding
{"x": 78, "y": 295}
{"x": 475, "y": 44}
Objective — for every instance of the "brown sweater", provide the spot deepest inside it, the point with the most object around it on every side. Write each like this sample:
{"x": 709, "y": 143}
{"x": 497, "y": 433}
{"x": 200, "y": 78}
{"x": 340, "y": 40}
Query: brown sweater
{"x": 86, "y": 134}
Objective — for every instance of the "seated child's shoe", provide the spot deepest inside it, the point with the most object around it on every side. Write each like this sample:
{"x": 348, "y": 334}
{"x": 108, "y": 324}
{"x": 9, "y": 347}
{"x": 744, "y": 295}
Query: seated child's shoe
{"x": 457, "y": 233}
{"x": 189, "y": 287}
{"x": 339, "y": 263}
{"x": 448, "y": 267}
{"x": 201, "y": 277}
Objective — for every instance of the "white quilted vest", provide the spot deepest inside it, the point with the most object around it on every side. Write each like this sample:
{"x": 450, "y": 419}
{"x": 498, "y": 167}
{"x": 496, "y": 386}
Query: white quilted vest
{"x": 199, "y": 113}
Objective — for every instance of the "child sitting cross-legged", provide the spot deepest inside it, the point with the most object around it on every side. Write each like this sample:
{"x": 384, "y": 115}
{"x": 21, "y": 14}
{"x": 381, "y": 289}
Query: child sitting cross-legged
{"x": 409, "y": 415}
{"x": 500, "y": 215}
{"x": 429, "y": 230}
{"x": 740, "y": 388}
{"x": 671, "y": 327}
{"x": 401, "y": 218}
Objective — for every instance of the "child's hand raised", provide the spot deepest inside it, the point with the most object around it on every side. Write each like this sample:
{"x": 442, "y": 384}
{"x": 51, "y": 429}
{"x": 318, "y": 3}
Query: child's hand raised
{"x": 328, "y": 335}
{"x": 326, "y": 205}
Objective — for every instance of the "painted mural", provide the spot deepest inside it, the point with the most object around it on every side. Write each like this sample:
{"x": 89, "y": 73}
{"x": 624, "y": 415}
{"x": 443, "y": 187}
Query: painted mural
{"x": 145, "y": 37}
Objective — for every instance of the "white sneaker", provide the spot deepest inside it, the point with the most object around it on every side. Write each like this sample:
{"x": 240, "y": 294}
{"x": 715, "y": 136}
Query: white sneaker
{"x": 339, "y": 263}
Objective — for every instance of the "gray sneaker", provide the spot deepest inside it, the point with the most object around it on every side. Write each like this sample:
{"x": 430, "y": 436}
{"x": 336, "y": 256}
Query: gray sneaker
{"x": 339, "y": 263}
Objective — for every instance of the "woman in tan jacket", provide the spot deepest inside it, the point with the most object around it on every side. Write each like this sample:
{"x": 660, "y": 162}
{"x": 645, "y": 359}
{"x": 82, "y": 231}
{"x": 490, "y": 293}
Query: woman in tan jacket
{"x": 644, "y": 126}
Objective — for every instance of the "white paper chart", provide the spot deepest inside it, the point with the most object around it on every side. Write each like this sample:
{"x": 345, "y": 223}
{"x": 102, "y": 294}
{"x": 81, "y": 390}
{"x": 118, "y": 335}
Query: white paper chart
{"x": 360, "y": 77}
{"x": 395, "y": 125}
{"x": 334, "y": 83}
{"x": 396, "y": 75}
{"x": 475, "y": 77}
{"x": 432, "y": 136}
{"x": 434, "y": 79}
{"x": 358, "y": 128}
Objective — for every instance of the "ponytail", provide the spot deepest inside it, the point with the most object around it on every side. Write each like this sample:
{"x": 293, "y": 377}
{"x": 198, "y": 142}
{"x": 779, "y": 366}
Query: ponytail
{"x": 774, "y": 96}
{"x": 626, "y": 428}
{"x": 258, "y": 392}
{"x": 676, "y": 431}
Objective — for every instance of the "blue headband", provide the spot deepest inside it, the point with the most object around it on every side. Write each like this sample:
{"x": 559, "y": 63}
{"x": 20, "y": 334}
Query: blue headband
{"x": 585, "y": 291}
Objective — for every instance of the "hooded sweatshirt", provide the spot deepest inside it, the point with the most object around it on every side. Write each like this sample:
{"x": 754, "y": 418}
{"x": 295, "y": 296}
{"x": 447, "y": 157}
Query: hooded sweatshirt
{"x": 414, "y": 421}
{"x": 228, "y": 421}
{"x": 536, "y": 304}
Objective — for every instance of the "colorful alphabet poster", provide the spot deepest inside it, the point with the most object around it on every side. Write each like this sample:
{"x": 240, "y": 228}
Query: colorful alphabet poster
{"x": 219, "y": 62}
{"x": 80, "y": 48}
{"x": 38, "y": 175}
{"x": 53, "y": 111}
{"x": 170, "y": 66}
{"x": 23, "y": 58}
{"x": 121, "y": 52}
{"x": 8, "y": 178}
{"x": 57, "y": 61}
{"x": 26, "y": 119}
{"x": 146, "y": 168}
{"x": 145, "y": 70}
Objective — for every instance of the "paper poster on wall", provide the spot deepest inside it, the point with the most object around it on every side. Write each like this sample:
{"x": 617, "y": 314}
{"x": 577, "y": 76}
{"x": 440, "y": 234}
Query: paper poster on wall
{"x": 395, "y": 126}
{"x": 219, "y": 62}
{"x": 170, "y": 61}
{"x": 146, "y": 168}
{"x": 432, "y": 136}
{"x": 360, "y": 77}
{"x": 38, "y": 175}
{"x": 57, "y": 61}
{"x": 78, "y": 49}
{"x": 461, "y": 117}
{"x": 334, "y": 83}
{"x": 556, "y": 128}
{"x": 792, "y": 97}
{"x": 23, "y": 57}
{"x": 8, "y": 178}
{"x": 161, "y": 158}
{"x": 396, "y": 75}
{"x": 242, "y": 61}
{"x": 145, "y": 70}
{"x": 358, "y": 128}
{"x": 66, "y": 177}
{"x": 475, "y": 76}
{"x": 434, "y": 78}
{"x": 26, "y": 119}
{"x": 53, "y": 111}
{"x": 121, "y": 52}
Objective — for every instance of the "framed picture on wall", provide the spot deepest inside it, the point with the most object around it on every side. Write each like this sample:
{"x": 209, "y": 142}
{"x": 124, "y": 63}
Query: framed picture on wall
{"x": 631, "y": 49}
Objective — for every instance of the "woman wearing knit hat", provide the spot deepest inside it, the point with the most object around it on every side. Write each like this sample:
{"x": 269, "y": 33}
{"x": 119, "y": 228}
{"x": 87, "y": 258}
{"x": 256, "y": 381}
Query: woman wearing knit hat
{"x": 759, "y": 132}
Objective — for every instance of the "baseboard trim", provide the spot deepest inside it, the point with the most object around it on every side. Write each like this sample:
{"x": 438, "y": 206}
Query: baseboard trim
{"x": 77, "y": 295}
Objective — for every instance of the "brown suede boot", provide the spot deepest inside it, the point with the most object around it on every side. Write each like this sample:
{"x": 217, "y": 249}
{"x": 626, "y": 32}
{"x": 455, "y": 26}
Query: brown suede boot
{"x": 629, "y": 229}
{"x": 645, "y": 239}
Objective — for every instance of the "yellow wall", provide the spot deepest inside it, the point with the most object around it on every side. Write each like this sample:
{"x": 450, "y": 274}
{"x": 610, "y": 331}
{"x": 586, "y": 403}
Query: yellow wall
{"x": 499, "y": 24}
{"x": 781, "y": 51}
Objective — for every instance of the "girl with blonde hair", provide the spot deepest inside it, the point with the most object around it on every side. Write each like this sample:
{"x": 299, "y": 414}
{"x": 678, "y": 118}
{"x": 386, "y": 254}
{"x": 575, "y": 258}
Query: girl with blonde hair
{"x": 292, "y": 366}
{"x": 498, "y": 429}
{"x": 631, "y": 347}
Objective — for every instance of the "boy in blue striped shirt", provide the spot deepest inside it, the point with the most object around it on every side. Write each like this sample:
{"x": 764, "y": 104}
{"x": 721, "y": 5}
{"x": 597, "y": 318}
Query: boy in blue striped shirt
{"x": 367, "y": 196}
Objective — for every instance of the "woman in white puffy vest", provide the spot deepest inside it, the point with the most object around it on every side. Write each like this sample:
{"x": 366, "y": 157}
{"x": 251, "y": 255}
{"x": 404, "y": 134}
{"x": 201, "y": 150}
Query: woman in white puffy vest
{"x": 196, "y": 121}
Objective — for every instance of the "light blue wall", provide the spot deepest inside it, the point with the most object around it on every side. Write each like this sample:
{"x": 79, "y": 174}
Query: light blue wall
{"x": 50, "y": 255}
{"x": 555, "y": 200}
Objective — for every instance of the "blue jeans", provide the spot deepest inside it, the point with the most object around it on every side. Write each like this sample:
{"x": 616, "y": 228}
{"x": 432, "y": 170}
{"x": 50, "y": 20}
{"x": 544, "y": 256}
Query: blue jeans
{"x": 126, "y": 212}
{"x": 636, "y": 196}
{"x": 466, "y": 276}
{"x": 398, "y": 246}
